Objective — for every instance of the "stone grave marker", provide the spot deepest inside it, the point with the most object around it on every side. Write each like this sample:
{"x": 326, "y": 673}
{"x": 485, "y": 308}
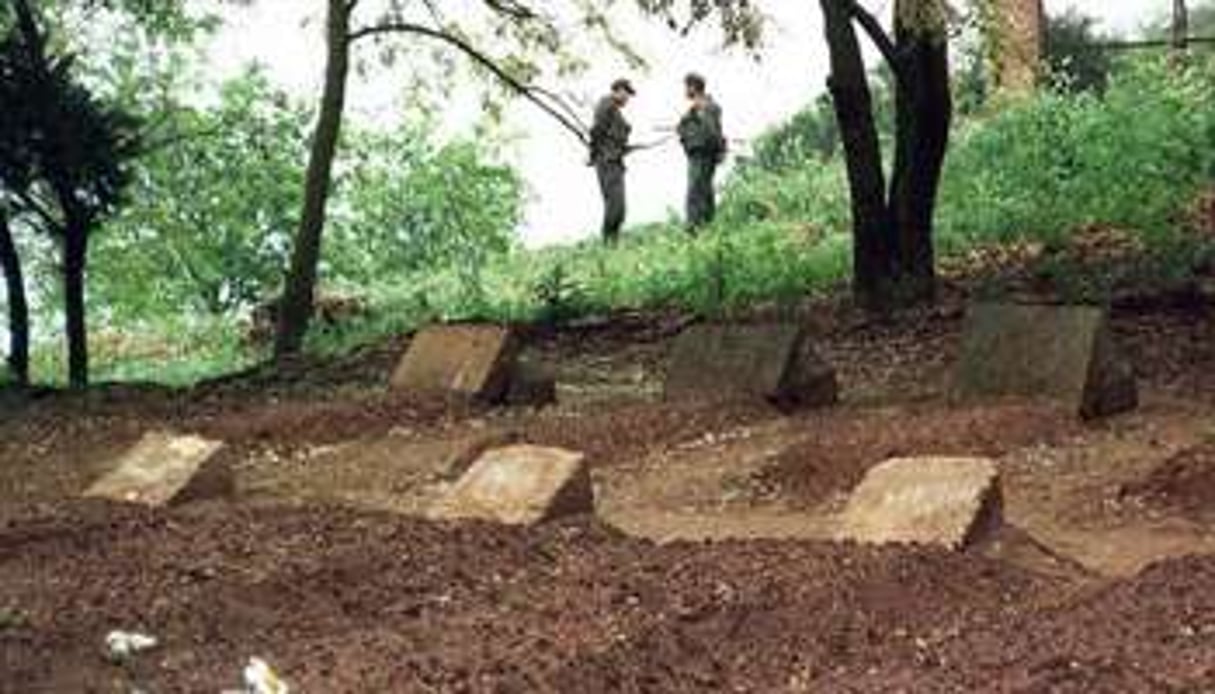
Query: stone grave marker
{"x": 950, "y": 502}
{"x": 1064, "y": 353}
{"x": 472, "y": 362}
{"x": 166, "y": 468}
{"x": 520, "y": 485}
{"x": 774, "y": 362}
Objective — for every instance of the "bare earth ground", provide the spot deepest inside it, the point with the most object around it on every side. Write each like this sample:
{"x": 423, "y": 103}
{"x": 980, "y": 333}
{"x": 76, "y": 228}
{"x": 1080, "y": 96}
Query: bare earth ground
{"x": 1103, "y": 581}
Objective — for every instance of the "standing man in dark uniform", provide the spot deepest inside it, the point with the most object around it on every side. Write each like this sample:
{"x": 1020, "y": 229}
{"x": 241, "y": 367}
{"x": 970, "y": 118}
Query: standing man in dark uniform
{"x": 700, "y": 133}
{"x": 609, "y": 145}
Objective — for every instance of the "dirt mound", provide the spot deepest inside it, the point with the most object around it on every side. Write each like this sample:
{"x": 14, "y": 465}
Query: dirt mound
{"x": 620, "y": 433}
{"x": 297, "y": 422}
{"x": 842, "y": 446}
{"x": 1185, "y": 482}
{"x": 340, "y": 601}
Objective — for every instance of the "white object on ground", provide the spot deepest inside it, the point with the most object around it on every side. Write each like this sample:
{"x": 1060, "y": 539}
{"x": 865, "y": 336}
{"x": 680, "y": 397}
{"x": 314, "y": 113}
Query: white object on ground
{"x": 121, "y": 645}
{"x": 261, "y": 679}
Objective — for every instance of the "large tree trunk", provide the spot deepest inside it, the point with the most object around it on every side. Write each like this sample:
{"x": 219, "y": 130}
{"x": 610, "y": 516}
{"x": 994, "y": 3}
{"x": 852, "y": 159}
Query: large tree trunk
{"x": 75, "y": 253}
{"x": 924, "y": 110}
{"x": 18, "y": 308}
{"x": 1017, "y": 31}
{"x": 295, "y": 309}
{"x": 874, "y": 257}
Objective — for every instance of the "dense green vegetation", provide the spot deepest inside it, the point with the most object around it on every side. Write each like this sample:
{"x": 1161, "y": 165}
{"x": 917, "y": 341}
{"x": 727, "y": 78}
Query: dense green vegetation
{"x": 204, "y": 237}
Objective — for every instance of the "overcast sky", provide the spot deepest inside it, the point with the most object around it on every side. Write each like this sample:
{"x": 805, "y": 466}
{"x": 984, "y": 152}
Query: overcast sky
{"x": 564, "y": 204}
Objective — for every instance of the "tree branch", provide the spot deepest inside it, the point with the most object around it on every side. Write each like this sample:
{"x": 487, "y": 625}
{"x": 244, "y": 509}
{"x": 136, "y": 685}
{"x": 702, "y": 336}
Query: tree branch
{"x": 29, "y": 202}
{"x": 511, "y": 8}
{"x": 529, "y": 92}
{"x": 876, "y": 33}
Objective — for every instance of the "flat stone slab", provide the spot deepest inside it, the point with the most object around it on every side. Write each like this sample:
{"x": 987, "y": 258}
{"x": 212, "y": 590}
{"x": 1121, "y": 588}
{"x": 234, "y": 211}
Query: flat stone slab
{"x": 464, "y": 361}
{"x": 165, "y": 468}
{"x": 520, "y": 485}
{"x": 1063, "y": 353}
{"x": 773, "y": 362}
{"x": 937, "y": 501}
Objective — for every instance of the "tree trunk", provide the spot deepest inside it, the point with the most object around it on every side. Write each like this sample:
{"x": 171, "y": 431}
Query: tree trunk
{"x": 873, "y": 249}
{"x": 296, "y": 305}
{"x": 18, "y": 308}
{"x": 924, "y": 109}
{"x": 1017, "y": 32}
{"x": 75, "y": 253}
{"x": 1181, "y": 28}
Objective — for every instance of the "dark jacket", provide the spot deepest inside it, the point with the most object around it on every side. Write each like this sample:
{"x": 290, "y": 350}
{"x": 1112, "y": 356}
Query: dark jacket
{"x": 700, "y": 132}
{"x": 609, "y": 133}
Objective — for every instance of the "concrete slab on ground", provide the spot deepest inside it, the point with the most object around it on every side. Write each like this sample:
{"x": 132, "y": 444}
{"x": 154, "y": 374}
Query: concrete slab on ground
{"x": 165, "y": 468}
{"x": 1064, "y": 353}
{"x": 464, "y": 361}
{"x": 950, "y": 502}
{"x": 520, "y": 485}
{"x": 775, "y": 362}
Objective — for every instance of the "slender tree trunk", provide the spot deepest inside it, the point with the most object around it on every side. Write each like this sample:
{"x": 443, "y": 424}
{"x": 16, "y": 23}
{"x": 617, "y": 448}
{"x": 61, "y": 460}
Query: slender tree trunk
{"x": 18, "y": 308}
{"x": 924, "y": 109}
{"x": 295, "y": 309}
{"x": 873, "y": 249}
{"x": 1181, "y": 28}
{"x": 75, "y": 254}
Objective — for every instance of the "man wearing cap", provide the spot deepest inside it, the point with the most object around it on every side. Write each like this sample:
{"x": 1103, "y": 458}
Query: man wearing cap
{"x": 700, "y": 133}
{"x": 609, "y": 145}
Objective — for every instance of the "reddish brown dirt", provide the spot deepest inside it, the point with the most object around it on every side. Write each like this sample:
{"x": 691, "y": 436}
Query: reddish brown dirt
{"x": 1185, "y": 482}
{"x": 622, "y": 433}
{"x": 340, "y": 601}
{"x": 841, "y": 446}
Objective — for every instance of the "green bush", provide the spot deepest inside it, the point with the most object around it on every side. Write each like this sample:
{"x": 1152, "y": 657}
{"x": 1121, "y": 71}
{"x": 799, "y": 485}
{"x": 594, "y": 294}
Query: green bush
{"x": 1131, "y": 158}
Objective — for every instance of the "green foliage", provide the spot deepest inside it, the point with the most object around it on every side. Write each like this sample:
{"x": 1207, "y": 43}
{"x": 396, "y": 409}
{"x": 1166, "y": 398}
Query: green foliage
{"x": 662, "y": 267}
{"x": 811, "y": 133}
{"x": 174, "y": 350}
{"x": 559, "y": 296}
{"x": 1131, "y": 158}
{"x": 212, "y": 211}
{"x": 813, "y": 196}
{"x": 211, "y": 219}
{"x": 407, "y": 205}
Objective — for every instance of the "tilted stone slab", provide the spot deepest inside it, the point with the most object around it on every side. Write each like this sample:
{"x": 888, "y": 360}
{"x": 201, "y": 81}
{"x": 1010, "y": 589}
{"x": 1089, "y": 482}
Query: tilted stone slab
{"x": 462, "y": 361}
{"x": 1064, "y": 353}
{"x": 520, "y": 485}
{"x": 165, "y": 468}
{"x": 950, "y": 502}
{"x": 774, "y": 362}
